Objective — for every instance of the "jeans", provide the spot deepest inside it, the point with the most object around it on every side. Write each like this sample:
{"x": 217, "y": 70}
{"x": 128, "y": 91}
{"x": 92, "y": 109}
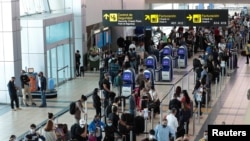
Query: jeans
{"x": 14, "y": 98}
{"x": 43, "y": 97}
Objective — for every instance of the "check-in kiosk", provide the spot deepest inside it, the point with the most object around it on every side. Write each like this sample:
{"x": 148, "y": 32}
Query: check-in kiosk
{"x": 128, "y": 79}
{"x": 149, "y": 73}
{"x": 166, "y": 51}
{"x": 167, "y": 70}
{"x": 182, "y": 56}
{"x": 151, "y": 62}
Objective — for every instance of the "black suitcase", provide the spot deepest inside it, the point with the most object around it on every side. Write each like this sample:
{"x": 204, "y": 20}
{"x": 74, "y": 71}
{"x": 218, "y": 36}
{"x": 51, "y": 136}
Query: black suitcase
{"x": 139, "y": 125}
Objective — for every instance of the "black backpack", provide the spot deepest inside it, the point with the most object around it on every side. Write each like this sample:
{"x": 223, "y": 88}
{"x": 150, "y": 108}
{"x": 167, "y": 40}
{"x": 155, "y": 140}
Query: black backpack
{"x": 108, "y": 110}
{"x": 196, "y": 63}
{"x": 72, "y": 108}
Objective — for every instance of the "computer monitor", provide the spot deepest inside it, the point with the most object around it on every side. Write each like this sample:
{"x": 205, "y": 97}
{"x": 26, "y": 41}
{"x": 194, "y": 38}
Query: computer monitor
{"x": 181, "y": 51}
{"x": 149, "y": 62}
{"x": 165, "y": 62}
{"x": 166, "y": 51}
{"x": 127, "y": 76}
{"x": 30, "y": 70}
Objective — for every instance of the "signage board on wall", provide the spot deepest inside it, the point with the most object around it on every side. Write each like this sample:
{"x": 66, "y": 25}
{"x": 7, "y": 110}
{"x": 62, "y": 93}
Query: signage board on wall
{"x": 213, "y": 17}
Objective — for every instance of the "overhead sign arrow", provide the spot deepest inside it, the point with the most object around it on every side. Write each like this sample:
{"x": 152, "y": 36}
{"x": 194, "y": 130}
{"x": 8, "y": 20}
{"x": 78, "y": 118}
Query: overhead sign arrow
{"x": 147, "y": 17}
{"x": 106, "y": 16}
{"x": 189, "y": 17}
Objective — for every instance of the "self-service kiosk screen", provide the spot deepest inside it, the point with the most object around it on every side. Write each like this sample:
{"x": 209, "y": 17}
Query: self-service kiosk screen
{"x": 165, "y": 62}
{"x": 126, "y": 77}
{"x": 147, "y": 75}
{"x": 166, "y": 51}
{"x": 181, "y": 51}
{"x": 149, "y": 62}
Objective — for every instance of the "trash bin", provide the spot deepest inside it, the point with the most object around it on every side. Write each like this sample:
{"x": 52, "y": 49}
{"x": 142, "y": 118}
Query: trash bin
{"x": 157, "y": 75}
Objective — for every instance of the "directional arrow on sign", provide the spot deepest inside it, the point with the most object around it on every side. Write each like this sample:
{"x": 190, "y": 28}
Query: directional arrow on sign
{"x": 106, "y": 16}
{"x": 147, "y": 17}
{"x": 189, "y": 17}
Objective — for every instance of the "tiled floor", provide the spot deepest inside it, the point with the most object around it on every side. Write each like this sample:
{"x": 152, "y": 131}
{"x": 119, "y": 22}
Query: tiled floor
{"x": 229, "y": 105}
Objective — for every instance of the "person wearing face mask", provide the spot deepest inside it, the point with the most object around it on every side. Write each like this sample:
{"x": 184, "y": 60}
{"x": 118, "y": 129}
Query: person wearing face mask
{"x": 205, "y": 137}
{"x": 34, "y": 135}
{"x": 79, "y": 131}
{"x": 95, "y": 128}
{"x": 161, "y": 130}
{"x": 110, "y": 131}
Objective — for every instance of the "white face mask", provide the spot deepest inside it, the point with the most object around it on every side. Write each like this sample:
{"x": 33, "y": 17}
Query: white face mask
{"x": 81, "y": 125}
{"x": 205, "y": 137}
{"x": 32, "y": 131}
{"x": 109, "y": 124}
{"x": 151, "y": 137}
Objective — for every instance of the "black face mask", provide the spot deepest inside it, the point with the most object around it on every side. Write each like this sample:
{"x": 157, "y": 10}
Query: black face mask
{"x": 164, "y": 126}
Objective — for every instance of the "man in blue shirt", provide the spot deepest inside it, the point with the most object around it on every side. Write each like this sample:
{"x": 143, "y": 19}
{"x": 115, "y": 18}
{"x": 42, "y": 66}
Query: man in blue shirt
{"x": 164, "y": 132}
{"x": 95, "y": 128}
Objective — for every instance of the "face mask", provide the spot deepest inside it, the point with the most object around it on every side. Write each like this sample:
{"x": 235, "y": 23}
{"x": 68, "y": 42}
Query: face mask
{"x": 32, "y": 131}
{"x": 206, "y": 53}
{"x": 205, "y": 137}
{"x": 164, "y": 126}
{"x": 151, "y": 137}
{"x": 109, "y": 124}
{"x": 81, "y": 125}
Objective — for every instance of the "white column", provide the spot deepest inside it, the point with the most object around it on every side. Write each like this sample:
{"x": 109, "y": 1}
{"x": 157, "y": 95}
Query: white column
{"x": 10, "y": 46}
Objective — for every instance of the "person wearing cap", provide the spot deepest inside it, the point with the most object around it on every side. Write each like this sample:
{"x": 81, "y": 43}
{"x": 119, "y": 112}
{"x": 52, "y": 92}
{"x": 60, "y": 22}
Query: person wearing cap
{"x": 79, "y": 131}
{"x": 163, "y": 132}
{"x": 42, "y": 83}
{"x": 26, "y": 89}
{"x": 79, "y": 108}
{"x": 13, "y": 94}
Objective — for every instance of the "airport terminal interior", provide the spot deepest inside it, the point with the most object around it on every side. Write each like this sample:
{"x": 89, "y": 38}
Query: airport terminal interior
{"x": 75, "y": 47}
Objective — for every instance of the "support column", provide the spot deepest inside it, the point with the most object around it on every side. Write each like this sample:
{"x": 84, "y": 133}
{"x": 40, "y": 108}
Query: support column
{"x": 10, "y": 46}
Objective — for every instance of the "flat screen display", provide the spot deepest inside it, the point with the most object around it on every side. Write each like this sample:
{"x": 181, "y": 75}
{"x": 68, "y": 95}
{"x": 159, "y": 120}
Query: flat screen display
{"x": 126, "y": 76}
{"x": 166, "y": 51}
{"x": 149, "y": 62}
{"x": 147, "y": 75}
{"x": 30, "y": 70}
{"x": 165, "y": 62}
{"x": 181, "y": 51}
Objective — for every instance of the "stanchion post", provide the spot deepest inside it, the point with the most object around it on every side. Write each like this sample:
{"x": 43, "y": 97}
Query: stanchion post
{"x": 131, "y": 135}
{"x": 193, "y": 124}
{"x": 188, "y": 80}
{"x": 152, "y": 116}
{"x": 206, "y": 101}
{"x": 145, "y": 120}
{"x": 216, "y": 86}
{"x": 122, "y": 101}
{"x": 199, "y": 108}
{"x": 161, "y": 113}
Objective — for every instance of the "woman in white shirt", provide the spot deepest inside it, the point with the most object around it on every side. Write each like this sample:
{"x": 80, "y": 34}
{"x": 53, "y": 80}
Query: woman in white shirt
{"x": 49, "y": 129}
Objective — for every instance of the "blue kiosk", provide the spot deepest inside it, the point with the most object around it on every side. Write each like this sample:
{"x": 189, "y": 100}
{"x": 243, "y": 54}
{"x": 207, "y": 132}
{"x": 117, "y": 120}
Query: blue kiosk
{"x": 167, "y": 69}
{"x": 128, "y": 79}
{"x": 149, "y": 73}
{"x": 166, "y": 51}
{"x": 182, "y": 56}
{"x": 151, "y": 64}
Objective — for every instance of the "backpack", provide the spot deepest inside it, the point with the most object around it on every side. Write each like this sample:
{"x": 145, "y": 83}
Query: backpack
{"x": 72, "y": 108}
{"x": 196, "y": 63}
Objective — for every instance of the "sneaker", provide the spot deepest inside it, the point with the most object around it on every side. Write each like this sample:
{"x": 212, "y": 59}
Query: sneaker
{"x": 13, "y": 109}
{"x": 33, "y": 104}
{"x": 27, "y": 105}
{"x": 18, "y": 108}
